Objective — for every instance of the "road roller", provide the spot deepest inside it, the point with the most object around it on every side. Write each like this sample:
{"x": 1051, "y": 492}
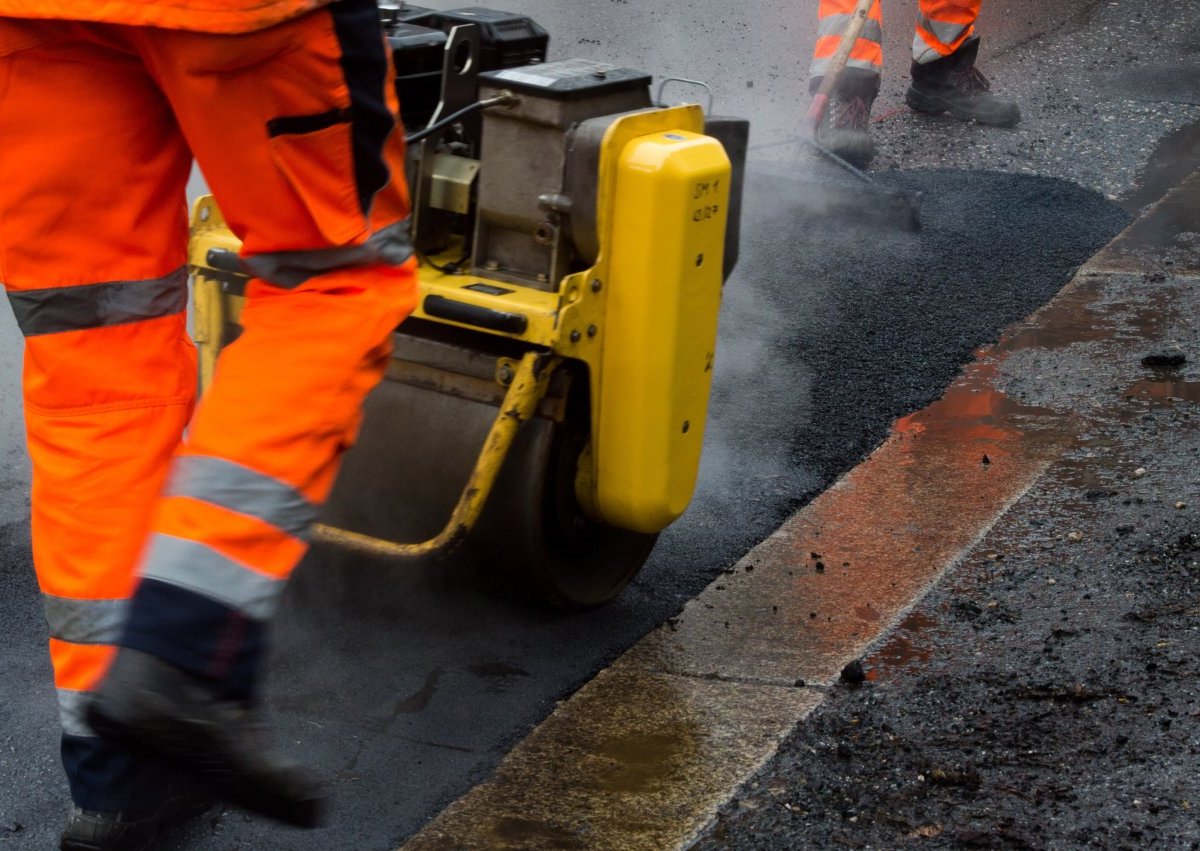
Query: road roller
{"x": 544, "y": 408}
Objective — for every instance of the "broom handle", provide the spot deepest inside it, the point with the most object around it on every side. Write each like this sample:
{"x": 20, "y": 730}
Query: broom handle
{"x": 837, "y": 64}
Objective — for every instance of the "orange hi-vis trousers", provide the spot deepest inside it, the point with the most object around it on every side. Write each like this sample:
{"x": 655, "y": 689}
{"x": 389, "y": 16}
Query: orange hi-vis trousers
{"x": 942, "y": 27}
{"x": 294, "y": 128}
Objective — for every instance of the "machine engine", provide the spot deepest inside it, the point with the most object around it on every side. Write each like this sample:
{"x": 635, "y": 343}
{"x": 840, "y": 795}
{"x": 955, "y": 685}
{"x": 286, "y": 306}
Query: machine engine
{"x": 549, "y": 394}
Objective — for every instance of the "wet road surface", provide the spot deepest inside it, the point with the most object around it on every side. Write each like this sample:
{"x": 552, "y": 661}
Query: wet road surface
{"x": 406, "y": 689}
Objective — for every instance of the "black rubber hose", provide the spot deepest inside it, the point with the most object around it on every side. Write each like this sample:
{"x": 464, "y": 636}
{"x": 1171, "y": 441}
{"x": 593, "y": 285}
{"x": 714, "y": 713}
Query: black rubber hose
{"x": 503, "y": 99}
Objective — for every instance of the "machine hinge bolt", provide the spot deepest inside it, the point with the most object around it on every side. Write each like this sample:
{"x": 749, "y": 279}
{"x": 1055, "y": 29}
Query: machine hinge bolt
{"x": 492, "y": 265}
{"x": 542, "y": 277}
{"x": 597, "y": 286}
{"x": 505, "y": 374}
{"x": 576, "y": 336}
{"x": 592, "y": 329}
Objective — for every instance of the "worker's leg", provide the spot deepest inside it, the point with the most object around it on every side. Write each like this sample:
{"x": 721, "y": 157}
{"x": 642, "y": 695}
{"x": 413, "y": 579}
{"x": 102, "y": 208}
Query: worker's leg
{"x": 942, "y": 27}
{"x": 292, "y": 130}
{"x": 944, "y": 77}
{"x": 92, "y": 235}
{"x": 867, "y": 53}
{"x": 295, "y": 129}
{"x": 844, "y": 127}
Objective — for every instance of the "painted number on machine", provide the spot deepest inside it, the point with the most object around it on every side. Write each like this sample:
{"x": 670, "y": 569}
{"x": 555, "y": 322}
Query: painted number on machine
{"x": 702, "y": 191}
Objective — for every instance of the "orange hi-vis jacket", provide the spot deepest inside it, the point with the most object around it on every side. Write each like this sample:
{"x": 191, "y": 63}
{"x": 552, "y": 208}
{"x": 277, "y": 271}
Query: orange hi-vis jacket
{"x": 213, "y": 16}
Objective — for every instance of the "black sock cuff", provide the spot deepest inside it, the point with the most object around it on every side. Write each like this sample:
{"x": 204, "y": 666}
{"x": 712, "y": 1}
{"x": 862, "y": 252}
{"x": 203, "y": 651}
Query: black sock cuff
{"x": 854, "y": 82}
{"x": 198, "y": 635}
{"x": 108, "y": 778}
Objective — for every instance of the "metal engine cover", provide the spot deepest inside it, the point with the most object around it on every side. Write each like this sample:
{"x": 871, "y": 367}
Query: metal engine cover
{"x": 522, "y": 233}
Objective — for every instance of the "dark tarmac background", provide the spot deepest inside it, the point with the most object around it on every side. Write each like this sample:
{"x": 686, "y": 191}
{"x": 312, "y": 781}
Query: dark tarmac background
{"x": 405, "y": 689}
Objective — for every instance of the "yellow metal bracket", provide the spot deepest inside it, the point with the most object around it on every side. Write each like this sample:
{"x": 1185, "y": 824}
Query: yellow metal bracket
{"x": 529, "y": 382}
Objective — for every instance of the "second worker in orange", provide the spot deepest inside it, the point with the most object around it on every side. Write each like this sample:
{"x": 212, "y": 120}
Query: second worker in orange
{"x": 944, "y": 77}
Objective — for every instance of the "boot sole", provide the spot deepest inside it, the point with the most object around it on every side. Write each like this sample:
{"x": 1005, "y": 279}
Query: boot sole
{"x": 145, "y": 843}
{"x": 173, "y": 815}
{"x": 197, "y": 747}
{"x": 81, "y": 845}
{"x": 934, "y": 105}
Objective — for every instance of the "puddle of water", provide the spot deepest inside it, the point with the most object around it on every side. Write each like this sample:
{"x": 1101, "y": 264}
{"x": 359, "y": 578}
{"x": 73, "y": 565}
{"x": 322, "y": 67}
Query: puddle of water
{"x": 898, "y": 521}
{"x": 643, "y": 762}
{"x": 1176, "y": 156}
{"x": 419, "y": 700}
{"x": 1083, "y": 315}
{"x": 867, "y": 614}
{"x": 1165, "y": 390}
{"x": 632, "y": 760}
{"x": 496, "y": 670}
{"x": 1079, "y": 301}
{"x": 907, "y": 650}
{"x": 516, "y": 832}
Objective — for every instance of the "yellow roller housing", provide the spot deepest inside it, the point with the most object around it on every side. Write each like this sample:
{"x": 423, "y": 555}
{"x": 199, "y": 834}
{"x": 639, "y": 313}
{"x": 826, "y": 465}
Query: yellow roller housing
{"x": 665, "y": 263}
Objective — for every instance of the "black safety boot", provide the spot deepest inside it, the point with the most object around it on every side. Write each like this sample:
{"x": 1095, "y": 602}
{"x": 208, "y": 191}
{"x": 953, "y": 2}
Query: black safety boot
{"x": 146, "y": 703}
{"x": 953, "y": 84}
{"x": 133, "y": 830}
{"x": 844, "y": 130}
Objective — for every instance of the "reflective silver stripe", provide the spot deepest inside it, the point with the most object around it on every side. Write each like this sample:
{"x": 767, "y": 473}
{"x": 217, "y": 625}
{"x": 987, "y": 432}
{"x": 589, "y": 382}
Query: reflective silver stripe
{"x": 194, "y": 567}
{"x": 243, "y": 490}
{"x": 79, "y": 308}
{"x": 85, "y": 621}
{"x": 390, "y": 246}
{"x": 947, "y": 34}
{"x": 71, "y": 712}
{"x": 819, "y": 66}
{"x": 836, "y": 25}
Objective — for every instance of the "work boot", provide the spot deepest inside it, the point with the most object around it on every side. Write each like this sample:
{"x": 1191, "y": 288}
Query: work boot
{"x": 148, "y": 704}
{"x": 953, "y": 84}
{"x": 89, "y": 830}
{"x": 843, "y": 129}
